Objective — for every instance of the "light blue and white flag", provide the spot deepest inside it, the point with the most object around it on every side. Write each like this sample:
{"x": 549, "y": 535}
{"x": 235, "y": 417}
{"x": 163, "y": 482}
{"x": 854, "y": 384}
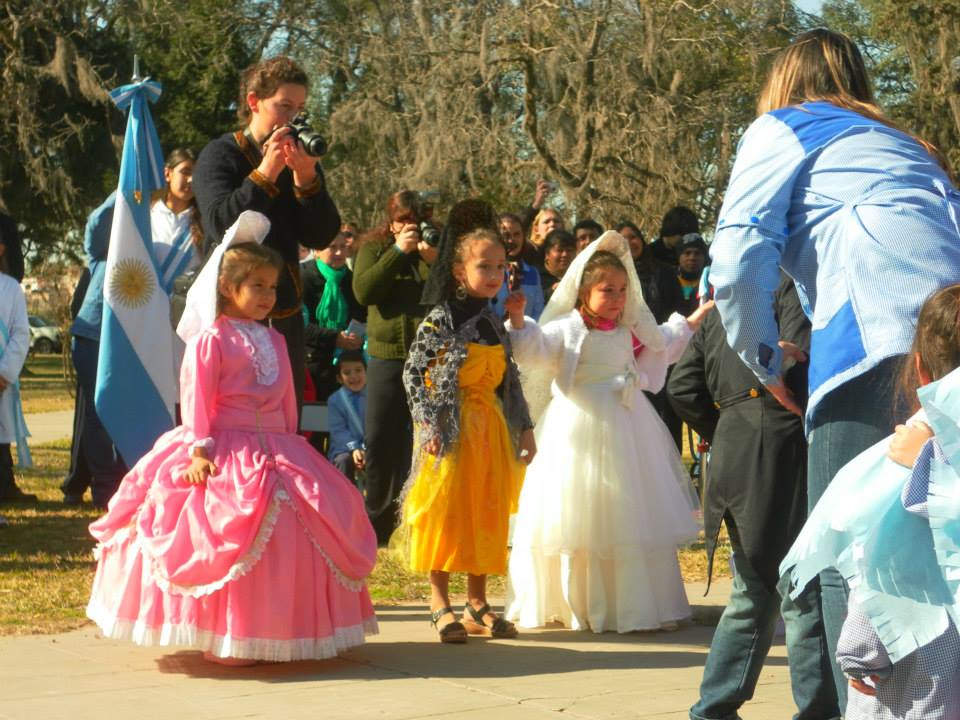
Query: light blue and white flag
{"x": 136, "y": 391}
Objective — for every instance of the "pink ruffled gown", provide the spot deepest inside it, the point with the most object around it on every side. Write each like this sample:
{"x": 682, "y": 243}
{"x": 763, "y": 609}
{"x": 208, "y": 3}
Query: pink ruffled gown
{"x": 268, "y": 560}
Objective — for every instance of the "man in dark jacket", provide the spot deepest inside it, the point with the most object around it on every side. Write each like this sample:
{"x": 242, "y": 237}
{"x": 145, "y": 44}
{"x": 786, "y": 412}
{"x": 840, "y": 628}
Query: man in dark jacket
{"x": 756, "y": 485}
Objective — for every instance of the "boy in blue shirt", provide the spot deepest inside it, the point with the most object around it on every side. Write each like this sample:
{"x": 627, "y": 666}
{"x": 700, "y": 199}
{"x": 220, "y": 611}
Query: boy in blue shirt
{"x": 347, "y": 409}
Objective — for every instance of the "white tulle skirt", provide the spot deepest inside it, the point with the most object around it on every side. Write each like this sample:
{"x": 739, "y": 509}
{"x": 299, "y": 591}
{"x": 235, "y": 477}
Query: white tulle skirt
{"x": 604, "y": 506}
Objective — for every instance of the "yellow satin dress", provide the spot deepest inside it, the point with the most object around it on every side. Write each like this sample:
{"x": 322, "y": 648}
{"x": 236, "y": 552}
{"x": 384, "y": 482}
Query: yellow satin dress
{"x": 457, "y": 513}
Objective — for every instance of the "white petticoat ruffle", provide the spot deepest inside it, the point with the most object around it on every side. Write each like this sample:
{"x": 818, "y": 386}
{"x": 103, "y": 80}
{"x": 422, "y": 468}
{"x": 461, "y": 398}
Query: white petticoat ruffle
{"x": 268, "y": 650}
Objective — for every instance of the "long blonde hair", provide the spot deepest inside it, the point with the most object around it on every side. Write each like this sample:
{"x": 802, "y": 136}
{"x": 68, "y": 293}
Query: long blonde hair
{"x": 824, "y": 65}
{"x": 535, "y": 238}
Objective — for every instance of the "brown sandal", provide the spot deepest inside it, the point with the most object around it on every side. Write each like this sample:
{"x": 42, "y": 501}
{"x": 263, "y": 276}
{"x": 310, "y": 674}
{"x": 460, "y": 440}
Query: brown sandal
{"x": 499, "y": 629}
{"x": 452, "y": 632}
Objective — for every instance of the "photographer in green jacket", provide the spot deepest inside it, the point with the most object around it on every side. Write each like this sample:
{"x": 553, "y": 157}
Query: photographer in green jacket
{"x": 389, "y": 273}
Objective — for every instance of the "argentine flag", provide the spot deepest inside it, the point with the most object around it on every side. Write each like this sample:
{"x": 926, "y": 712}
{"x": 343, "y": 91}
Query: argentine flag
{"x": 135, "y": 385}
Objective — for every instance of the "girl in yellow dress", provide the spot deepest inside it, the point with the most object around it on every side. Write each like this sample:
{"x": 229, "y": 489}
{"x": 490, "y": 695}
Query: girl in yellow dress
{"x": 473, "y": 435}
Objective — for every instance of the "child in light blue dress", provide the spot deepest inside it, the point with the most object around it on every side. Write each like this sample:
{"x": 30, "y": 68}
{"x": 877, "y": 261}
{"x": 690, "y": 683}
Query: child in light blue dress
{"x": 890, "y": 523}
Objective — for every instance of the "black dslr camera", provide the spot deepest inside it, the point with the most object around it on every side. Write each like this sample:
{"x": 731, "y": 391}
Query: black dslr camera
{"x": 428, "y": 231}
{"x": 313, "y": 142}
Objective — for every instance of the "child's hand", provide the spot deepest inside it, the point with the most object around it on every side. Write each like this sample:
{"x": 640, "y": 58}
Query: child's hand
{"x": 861, "y": 686}
{"x": 198, "y": 472}
{"x": 514, "y": 305}
{"x": 908, "y": 441}
{"x": 359, "y": 459}
{"x": 697, "y": 316}
{"x": 528, "y": 446}
{"x": 3, "y": 384}
{"x": 432, "y": 446}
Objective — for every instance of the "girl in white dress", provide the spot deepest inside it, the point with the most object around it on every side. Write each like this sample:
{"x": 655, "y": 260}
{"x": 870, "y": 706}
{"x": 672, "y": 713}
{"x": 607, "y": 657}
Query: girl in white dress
{"x": 14, "y": 345}
{"x": 606, "y": 501}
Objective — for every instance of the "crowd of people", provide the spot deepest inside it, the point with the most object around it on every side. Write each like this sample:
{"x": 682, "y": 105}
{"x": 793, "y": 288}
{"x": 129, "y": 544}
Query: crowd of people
{"x": 498, "y": 364}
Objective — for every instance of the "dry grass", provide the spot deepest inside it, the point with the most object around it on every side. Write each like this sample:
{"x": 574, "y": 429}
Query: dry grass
{"x": 46, "y": 561}
{"x": 45, "y": 553}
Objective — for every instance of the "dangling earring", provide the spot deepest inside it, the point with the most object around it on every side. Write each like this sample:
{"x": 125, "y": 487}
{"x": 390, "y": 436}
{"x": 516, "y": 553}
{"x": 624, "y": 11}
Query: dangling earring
{"x": 461, "y": 292}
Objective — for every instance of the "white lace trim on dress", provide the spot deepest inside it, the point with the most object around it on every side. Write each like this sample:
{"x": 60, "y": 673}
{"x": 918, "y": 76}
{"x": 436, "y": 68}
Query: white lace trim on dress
{"x": 244, "y": 564}
{"x": 349, "y": 583}
{"x": 257, "y": 339}
{"x": 238, "y": 570}
{"x": 206, "y": 444}
{"x": 271, "y": 650}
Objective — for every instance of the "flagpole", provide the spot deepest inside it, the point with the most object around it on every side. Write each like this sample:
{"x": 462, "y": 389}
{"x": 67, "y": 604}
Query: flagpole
{"x": 136, "y": 69}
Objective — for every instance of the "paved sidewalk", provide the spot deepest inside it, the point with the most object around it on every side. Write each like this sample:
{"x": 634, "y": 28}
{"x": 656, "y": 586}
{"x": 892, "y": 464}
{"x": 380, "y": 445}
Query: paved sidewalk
{"x": 401, "y": 674}
{"x": 49, "y": 426}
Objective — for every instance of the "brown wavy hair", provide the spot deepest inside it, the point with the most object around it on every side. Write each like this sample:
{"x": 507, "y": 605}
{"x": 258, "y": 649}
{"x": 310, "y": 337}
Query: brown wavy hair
{"x": 824, "y": 65}
{"x": 936, "y": 344}
{"x": 265, "y": 78}
{"x": 400, "y": 203}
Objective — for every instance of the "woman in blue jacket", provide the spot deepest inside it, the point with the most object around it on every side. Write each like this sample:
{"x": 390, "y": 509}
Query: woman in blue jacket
{"x": 863, "y": 216}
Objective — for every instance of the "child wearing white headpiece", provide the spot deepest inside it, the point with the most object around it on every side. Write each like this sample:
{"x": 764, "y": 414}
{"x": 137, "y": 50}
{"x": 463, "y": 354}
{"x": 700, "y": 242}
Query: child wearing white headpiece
{"x": 233, "y": 535}
{"x": 606, "y": 500}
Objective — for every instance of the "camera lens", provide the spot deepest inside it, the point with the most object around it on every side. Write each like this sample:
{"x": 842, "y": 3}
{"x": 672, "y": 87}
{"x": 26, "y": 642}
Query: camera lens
{"x": 313, "y": 143}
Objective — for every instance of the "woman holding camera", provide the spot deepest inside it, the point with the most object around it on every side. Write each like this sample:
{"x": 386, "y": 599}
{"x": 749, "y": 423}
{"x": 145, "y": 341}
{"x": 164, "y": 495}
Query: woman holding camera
{"x": 389, "y": 273}
{"x": 265, "y": 167}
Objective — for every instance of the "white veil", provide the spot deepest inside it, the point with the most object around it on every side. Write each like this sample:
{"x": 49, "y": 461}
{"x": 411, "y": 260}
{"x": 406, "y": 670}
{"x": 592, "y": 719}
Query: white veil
{"x": 201, "y": 306}
{"x": 636, "y": 315}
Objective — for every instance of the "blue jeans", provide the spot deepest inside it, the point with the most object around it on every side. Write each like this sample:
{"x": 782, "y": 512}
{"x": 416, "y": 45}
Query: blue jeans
{"x": 743, "y": 638}
{"x": 848, "y": 420}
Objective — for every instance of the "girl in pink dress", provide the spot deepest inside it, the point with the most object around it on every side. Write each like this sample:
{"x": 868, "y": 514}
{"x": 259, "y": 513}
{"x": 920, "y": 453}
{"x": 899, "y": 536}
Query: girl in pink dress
{"x": 232, "y": 535}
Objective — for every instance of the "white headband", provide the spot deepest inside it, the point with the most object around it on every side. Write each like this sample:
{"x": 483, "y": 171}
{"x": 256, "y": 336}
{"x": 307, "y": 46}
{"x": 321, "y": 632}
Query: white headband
{"x": 201, "y": 307}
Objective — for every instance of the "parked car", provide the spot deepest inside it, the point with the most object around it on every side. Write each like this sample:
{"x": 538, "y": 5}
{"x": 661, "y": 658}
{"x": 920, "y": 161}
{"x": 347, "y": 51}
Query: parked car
{"x": 44, "y": 337}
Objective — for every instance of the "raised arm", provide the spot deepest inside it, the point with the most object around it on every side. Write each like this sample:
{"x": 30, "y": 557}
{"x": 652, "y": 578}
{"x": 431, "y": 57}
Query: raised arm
{"x": 316, "y": 219}
{"x": 374, "y": 272}
{"x": 225, "y": 186}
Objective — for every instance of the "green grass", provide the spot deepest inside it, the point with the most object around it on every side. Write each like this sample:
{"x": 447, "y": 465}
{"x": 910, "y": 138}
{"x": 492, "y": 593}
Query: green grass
{"x": 44, "y": 385}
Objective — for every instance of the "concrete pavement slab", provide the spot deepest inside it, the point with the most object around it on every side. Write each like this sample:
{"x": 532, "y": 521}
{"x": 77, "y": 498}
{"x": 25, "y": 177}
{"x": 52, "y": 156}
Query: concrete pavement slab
{"x": 401, "y": 674}
{"x": 49, "y": 426}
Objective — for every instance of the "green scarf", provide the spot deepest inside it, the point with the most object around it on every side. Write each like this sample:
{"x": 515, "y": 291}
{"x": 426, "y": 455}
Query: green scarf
{"x": 332, "y": 311}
